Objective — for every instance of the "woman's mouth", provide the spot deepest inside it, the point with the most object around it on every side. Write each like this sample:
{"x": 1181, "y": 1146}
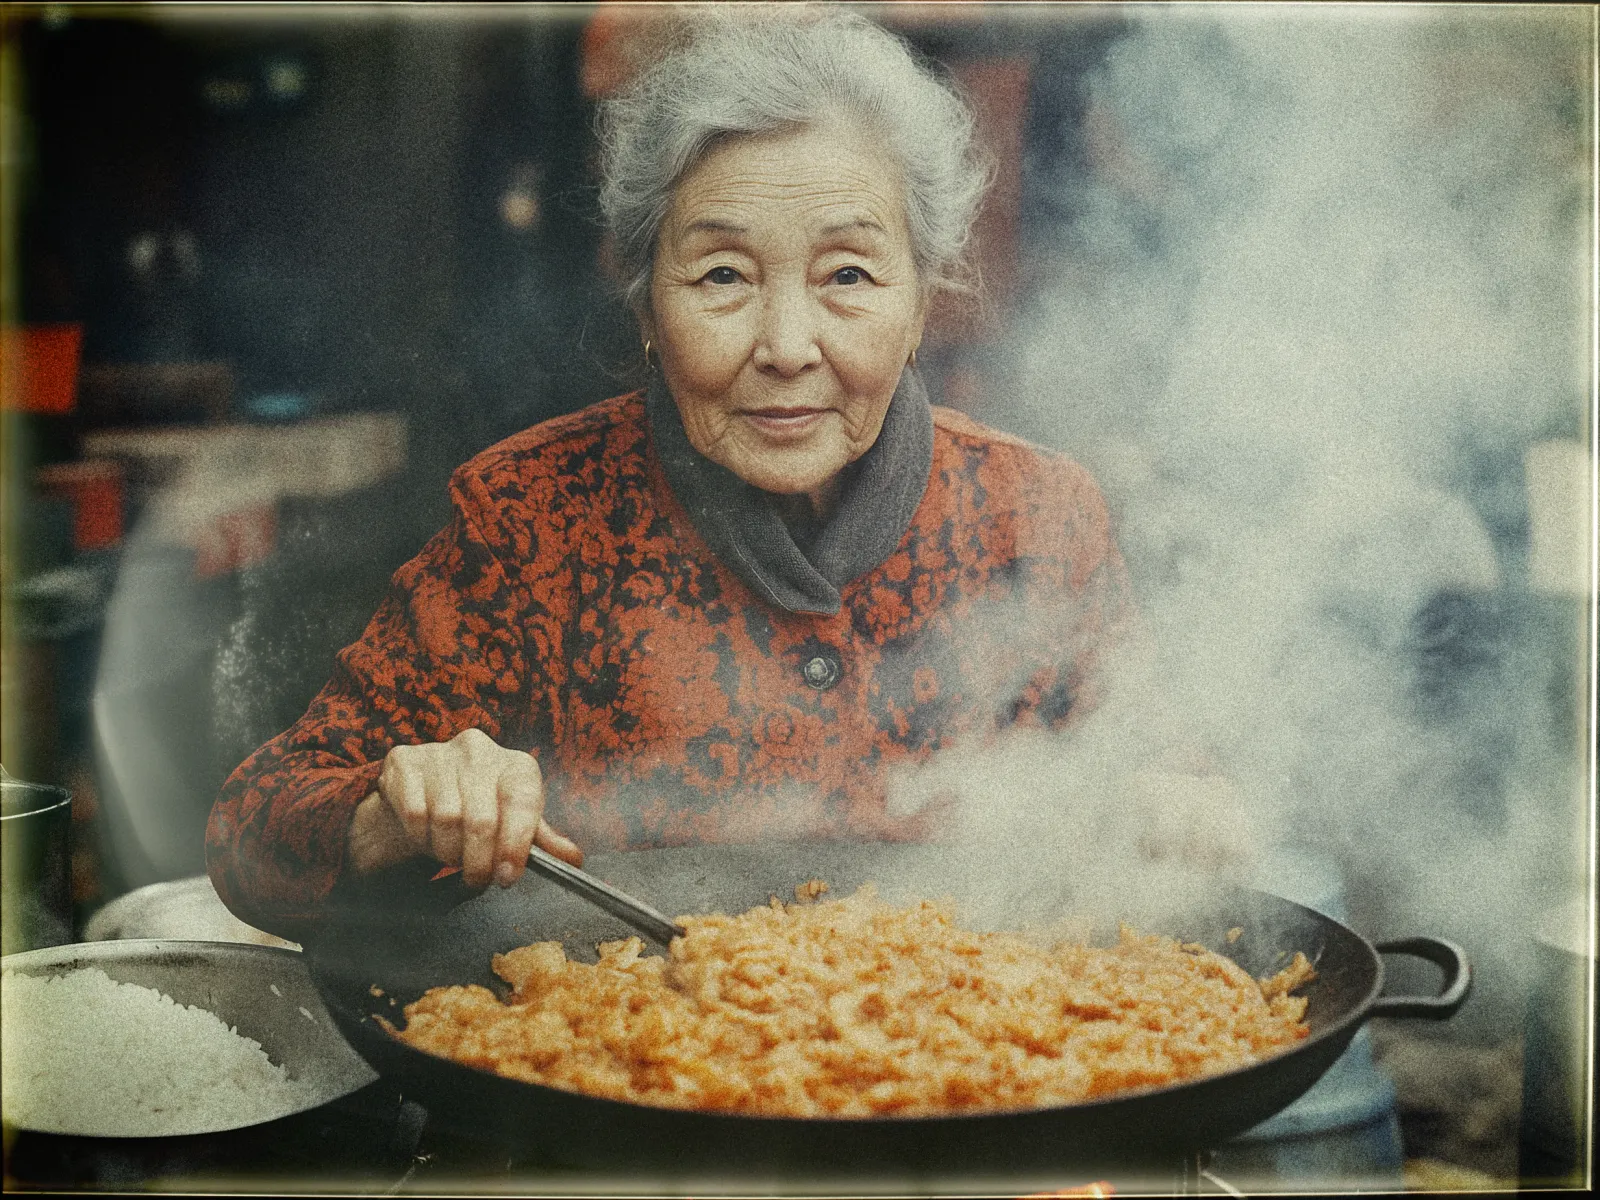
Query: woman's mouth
{"x": 785, "y": 422}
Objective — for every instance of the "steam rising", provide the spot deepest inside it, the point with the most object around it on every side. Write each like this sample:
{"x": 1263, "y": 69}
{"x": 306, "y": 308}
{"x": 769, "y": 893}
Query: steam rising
{"x": 1323, "y": 286}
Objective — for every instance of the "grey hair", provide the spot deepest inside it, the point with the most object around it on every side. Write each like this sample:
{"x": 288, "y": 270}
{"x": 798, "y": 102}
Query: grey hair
{"x": 754, "y": 72}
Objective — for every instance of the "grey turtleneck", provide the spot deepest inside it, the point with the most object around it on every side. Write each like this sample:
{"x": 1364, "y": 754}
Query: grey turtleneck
{"x": 742, "y": 524}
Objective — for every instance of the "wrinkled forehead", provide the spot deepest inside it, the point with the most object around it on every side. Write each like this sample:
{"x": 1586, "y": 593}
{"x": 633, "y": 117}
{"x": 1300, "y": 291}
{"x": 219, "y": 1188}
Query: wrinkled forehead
{"x": 808, "y": 181}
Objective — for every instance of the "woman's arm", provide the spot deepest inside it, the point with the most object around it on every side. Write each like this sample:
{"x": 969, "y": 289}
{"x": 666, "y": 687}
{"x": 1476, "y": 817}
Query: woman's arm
{"x": 443, "y": 655}
{"x": 1186, "y": 808}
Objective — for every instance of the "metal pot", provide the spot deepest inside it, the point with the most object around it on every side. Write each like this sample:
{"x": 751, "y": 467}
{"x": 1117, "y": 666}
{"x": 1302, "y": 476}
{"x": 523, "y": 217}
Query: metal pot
{"x": 1558, "y": 1096}
{"x": 185, "y": 910}
{"x": 404, "y": 955}
{"x": 264, "y": 993}
{"x": 36, "y": 846}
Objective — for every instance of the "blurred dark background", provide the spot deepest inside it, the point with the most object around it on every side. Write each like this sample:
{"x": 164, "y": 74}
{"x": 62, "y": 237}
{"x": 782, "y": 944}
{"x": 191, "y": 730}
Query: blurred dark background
{"x": 260, "y": 224}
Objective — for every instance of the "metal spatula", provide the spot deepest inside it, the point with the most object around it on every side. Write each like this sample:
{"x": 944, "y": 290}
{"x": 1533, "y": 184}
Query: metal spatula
{"x": 598, "y": 892}
{"x": 392, "y": 845}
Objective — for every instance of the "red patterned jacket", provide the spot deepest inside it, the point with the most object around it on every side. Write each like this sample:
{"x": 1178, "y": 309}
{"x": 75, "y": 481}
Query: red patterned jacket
{"x": 571, "y": 608}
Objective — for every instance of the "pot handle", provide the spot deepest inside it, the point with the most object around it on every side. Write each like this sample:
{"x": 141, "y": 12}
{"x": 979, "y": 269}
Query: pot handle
{"x": 1448, "y": 957}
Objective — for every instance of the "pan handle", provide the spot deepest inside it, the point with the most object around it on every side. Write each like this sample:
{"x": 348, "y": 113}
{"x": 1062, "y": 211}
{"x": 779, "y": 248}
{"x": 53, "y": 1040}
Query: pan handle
{"x": 1448, "y": 957}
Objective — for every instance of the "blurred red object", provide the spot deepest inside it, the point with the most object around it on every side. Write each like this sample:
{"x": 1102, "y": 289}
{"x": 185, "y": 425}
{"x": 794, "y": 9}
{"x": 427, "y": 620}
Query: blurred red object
{"x": 1099, "y": 1191}
{"x": 619, "y": 42}
{"x": 95, "y": 488}
{"x": 997, "y": 89}
{"x": 39, "y": 368}
{"x": 238, "y": 539}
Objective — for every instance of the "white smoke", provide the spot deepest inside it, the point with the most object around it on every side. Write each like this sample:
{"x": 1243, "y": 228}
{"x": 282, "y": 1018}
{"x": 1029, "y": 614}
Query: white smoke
{"x": 1327, "y": 264}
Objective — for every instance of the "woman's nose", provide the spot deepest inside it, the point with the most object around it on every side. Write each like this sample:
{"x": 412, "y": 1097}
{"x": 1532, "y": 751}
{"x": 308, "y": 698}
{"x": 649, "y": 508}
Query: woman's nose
{"x": 787, "y": 341}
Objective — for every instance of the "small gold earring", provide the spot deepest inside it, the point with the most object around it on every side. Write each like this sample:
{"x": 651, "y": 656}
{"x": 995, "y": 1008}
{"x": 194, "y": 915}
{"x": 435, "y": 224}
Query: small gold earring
{"x": 912, "y": 361}
{"x": 647, "y": 354}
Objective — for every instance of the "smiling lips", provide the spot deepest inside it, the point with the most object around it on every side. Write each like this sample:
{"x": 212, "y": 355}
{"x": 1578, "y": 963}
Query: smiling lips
{"x": 784, "y": 422}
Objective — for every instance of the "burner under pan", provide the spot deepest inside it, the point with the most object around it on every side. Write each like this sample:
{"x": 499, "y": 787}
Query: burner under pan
{"x": 447, "y": 1161}
{"x": 376, "y": 1142}
{"x": 365, "y": 1141}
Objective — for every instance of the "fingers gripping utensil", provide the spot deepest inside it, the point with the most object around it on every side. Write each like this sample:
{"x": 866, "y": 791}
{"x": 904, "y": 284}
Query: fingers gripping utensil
{"x": 386, "y": 841}
{"x": 598, "y": 892}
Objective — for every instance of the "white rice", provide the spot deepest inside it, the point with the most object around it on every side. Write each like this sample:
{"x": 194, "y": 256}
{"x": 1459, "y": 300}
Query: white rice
{"x": 86, "y": 1055}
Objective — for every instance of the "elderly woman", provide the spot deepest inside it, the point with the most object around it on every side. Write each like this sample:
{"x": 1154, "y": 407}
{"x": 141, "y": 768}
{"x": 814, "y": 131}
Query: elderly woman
{"x": 726, "y": 607}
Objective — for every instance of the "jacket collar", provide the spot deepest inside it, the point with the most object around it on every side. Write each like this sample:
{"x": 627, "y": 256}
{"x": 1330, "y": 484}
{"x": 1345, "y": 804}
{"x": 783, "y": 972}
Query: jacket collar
{"x": 739, "y": 522}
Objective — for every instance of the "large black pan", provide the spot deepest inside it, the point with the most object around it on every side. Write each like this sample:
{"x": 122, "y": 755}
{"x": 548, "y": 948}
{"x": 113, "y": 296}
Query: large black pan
{"x": 402, "y": 958}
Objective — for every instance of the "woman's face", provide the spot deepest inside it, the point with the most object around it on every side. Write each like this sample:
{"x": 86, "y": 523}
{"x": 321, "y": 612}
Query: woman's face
{"x": 784, "y": 304}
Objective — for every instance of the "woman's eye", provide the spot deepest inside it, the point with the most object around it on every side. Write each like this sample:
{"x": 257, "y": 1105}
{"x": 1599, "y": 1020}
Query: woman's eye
{"x": 850, "y": 275}
{"x": 722, "y": 275}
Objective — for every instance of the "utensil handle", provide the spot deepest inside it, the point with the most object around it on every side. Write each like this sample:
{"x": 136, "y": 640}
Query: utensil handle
{"x": 1448, "y": 957}
{"x": 635, "y": 912}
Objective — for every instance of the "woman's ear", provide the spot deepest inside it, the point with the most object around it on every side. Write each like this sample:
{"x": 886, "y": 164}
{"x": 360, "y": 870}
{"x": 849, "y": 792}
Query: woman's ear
{"x": 650, "y": 352}
{"x": 647, "y": 322}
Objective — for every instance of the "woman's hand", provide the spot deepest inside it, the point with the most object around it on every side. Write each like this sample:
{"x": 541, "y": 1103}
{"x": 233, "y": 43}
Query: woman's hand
{"x": 469, "y": 802}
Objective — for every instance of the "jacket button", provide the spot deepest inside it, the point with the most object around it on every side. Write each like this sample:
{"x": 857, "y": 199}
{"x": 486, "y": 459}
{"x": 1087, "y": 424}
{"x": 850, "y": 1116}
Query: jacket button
{"x": 821, "y": 672}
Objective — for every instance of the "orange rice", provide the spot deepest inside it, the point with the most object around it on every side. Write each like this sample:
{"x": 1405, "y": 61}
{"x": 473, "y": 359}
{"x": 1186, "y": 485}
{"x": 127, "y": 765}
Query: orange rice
{"x": 857, "y": 1008}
